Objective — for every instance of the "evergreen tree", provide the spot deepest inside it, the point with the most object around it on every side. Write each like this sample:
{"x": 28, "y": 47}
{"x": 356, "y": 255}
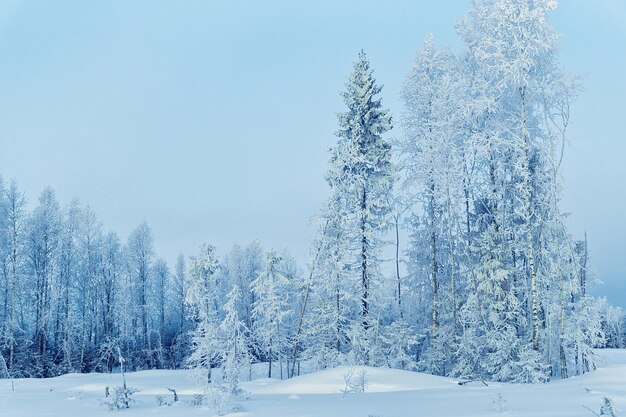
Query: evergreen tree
{"x": 361, "y": 179}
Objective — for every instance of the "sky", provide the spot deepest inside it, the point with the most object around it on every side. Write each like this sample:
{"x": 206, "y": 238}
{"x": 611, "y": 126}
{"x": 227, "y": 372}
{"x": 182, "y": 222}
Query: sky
{"x": 211, "y": 120}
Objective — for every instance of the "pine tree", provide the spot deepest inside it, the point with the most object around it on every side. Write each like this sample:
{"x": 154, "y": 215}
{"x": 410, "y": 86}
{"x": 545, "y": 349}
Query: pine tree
{"x": 361, "y": 180}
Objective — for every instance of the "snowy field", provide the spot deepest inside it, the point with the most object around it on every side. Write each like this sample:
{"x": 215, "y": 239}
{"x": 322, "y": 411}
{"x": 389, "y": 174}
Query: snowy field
{"x": 389, "y": 393}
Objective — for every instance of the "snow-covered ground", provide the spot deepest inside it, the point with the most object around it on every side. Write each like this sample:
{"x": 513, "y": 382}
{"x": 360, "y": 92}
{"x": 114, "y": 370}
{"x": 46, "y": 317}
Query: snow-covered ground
{"x": 389, "y": 393}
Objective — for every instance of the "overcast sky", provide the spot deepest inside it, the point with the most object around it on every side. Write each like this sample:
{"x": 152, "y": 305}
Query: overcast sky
{"x": 211, "y": 120}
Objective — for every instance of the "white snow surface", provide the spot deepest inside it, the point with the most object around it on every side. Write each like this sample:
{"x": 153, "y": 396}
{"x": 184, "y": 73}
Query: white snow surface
{"x": 389, "y": 393}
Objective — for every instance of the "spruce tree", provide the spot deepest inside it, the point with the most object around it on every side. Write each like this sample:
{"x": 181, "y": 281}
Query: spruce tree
{"x": 361, "y": 180}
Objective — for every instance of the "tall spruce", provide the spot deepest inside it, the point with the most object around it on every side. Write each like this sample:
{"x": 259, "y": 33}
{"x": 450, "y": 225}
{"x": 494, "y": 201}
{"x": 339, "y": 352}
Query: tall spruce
{"x": 361, "y": 180}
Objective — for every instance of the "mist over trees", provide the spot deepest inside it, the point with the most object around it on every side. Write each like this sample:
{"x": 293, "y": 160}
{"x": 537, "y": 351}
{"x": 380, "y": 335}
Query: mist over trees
{"x": 489, "y": 285}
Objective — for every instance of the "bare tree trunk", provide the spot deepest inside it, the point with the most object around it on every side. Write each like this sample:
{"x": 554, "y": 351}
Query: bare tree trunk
{"x": 365, "y": 284}
{"x": 338, "y": 325}
{"x": 434, "y": 265}
{"x": 296, "y": 345}
{"x": 269, "y": 370}
{"x": 563, "y": 360}
{"x": 14, "y": 291}
{"x": 398, "y": 280}
{"x": 583, "y": 269}
{"x": 452, "y": 261}
{"x": 534, "y": 298}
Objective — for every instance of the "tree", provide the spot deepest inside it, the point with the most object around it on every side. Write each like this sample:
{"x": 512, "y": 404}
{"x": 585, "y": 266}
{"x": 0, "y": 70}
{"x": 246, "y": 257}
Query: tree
{"x": 66, "y": 338}
{"x": 201, "y": 294}
{"x": 88, "y": 286}
{"x": 271, "y": 310}
{"x": 179, "y": 316}
{"x": 399, "y": 342}
{"x": 513, "y": 47}
{"x": 161, "y": 284}
{"x": 251, "y": 266}
{"x": 360, "y": 178}
{"x": 43, "y": 240}
{"x": 111, "y": 276}
{"x": 433, "y": 162}
{"x": 490, "y": 255}
{"x": 235, "y": 345}
{"x": 15, "y": 265}
{"x": 141, "y": 254}
{"x": 180, "y": 285}
{"x": 71, "y": 294}
{"x": 4, "y": 272}
{"x": 334, "y": 299}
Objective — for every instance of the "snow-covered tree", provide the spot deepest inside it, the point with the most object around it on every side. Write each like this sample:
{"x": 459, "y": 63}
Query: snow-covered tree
{"x": 399, "y": 341}
{"x": 71, "y": 294}
{"x": 334, "y": 301}
{"x": 43, "y": 239}
{"x": 180, "y": 323}
{"x": 481, "y": 152}
{"x": 613, "y": 324}
{"x": 112, "y": 265}
{"x": 161, "y": 284}
{"x": 271, "y": 310}
{"x": 235, "y": 355}
{"x": 433, "y": 162}
{"x": 141, "y": 257}
{"x": 201, "y": 294}
{"x": 361, "y": 179}
{"x": 14, "y": 264}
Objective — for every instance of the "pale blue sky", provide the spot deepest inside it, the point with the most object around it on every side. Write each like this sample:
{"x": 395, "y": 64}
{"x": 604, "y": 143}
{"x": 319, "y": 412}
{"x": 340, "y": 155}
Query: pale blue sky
{"x": 211, "y": 120}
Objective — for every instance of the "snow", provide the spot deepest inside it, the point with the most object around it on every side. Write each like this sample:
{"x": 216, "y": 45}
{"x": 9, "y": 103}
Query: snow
{"x": 389, "y": 393}
{"x": 332, "y": 382}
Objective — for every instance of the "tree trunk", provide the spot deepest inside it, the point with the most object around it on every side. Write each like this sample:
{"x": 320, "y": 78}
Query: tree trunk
{"x": 269, "y": 369}
{"x": 534, "y": 298}
{"x": 364, "y": 272}
{"x": 296, "y": 345}
{"x": 398, "y": 280}
{"x": 434, "y": 266}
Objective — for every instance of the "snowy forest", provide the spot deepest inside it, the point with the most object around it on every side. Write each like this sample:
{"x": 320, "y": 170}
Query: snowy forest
{"x": 441, "y": 247}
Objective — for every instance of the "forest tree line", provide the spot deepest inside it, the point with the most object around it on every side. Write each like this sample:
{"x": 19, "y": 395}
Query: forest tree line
{"x": 489, "y": 285}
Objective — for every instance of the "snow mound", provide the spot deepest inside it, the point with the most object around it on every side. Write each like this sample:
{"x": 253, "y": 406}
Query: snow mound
{"x": 388, "y": 393}
{"x": 332, "y": 381}
{"x": 610, "y": 357}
